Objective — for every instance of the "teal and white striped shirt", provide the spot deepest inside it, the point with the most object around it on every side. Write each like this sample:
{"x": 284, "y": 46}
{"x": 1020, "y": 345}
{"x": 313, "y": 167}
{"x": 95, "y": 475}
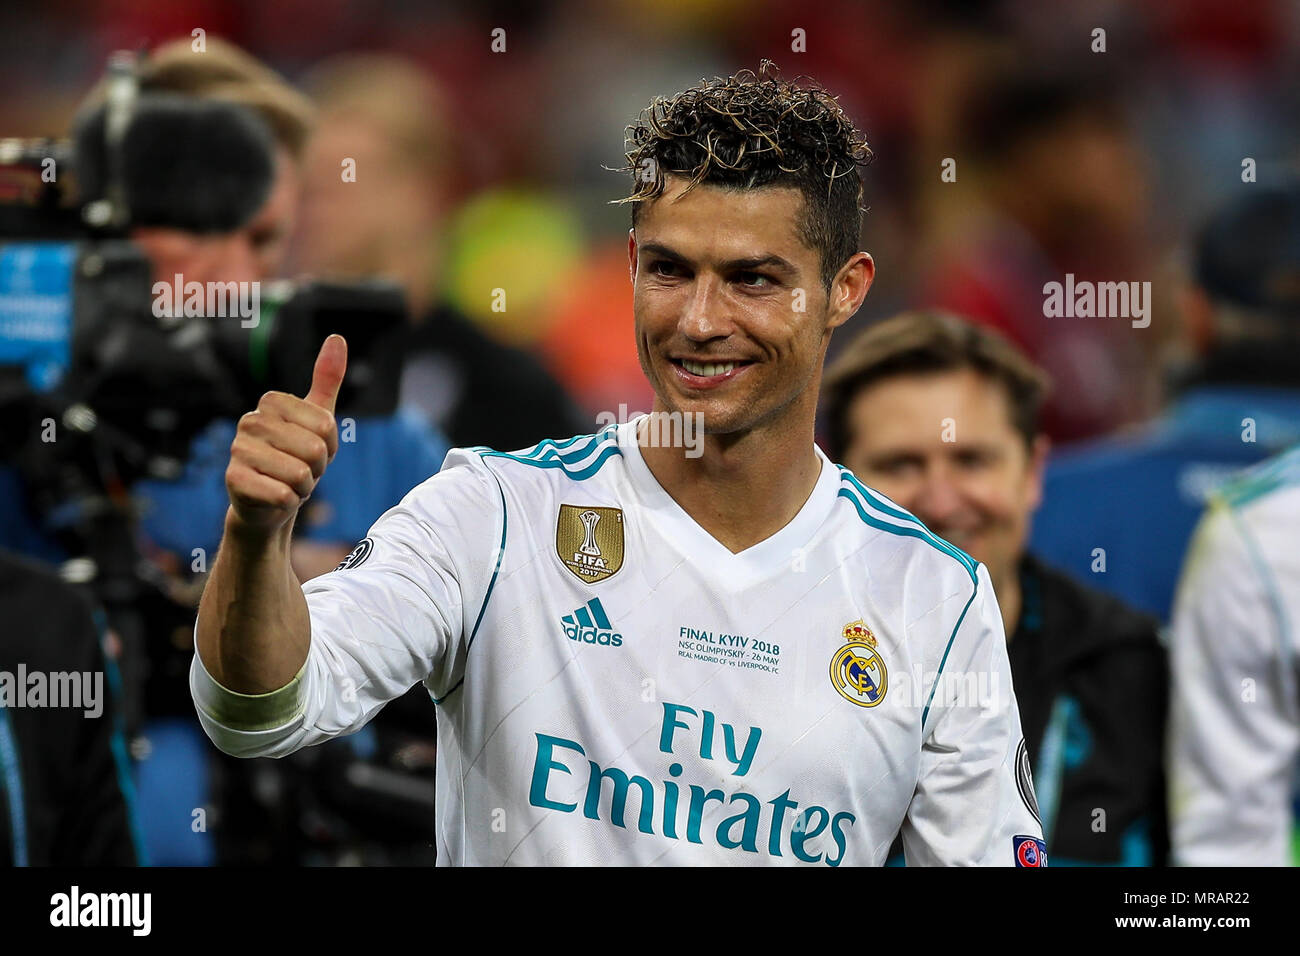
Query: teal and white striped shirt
{"x": 614, "y": 686}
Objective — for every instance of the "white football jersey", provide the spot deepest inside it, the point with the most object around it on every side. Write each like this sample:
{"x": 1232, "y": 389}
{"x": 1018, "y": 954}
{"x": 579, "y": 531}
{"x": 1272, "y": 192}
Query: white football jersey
{"x": 614, "y": 686}
{"x": 1235, "y": 710}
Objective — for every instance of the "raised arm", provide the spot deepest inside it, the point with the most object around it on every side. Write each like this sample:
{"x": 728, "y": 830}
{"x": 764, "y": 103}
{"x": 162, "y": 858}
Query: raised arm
{"x": 253, "y": 629}
{"x": 281, "y": 666}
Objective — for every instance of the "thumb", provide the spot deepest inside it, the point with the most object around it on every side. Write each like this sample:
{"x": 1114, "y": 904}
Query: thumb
{"x": 327, "y": 376}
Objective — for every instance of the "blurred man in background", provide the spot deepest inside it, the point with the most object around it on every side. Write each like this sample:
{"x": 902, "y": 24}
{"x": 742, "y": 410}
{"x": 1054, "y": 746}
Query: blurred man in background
{"x": 302, "y": 814}
{"x": 1120, "y": 512}
{"x": 1235, "y": 717}
{"x": 942, "y": 416}
{"x": 385, "y": 116}
{"x": 397, "y": 449}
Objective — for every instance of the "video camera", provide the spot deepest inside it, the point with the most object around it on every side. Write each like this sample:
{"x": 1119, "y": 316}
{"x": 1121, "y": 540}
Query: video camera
{"x": 89, "y": 341}
{"x": 106, "y": 376}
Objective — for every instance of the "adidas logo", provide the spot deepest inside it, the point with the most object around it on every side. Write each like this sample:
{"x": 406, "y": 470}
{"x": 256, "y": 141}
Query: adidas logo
{"x": 590, "y": 625}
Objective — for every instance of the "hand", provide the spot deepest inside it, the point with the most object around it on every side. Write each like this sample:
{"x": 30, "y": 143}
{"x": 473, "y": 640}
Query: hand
{"x": 281, "y": 450}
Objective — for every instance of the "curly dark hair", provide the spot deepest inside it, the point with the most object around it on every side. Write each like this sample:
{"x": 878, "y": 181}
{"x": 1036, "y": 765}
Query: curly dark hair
{"x": 752, "y": 130}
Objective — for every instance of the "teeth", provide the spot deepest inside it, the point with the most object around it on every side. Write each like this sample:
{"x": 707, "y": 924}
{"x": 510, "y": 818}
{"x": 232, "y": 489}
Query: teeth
{"x": 698, "y": 368}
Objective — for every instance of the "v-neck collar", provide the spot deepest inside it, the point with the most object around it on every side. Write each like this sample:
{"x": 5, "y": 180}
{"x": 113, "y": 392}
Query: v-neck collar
{"x": 776, "y": 552}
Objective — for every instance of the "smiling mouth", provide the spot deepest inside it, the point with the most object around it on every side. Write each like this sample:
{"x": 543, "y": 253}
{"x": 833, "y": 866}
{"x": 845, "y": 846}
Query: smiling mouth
{"x": 709, "y": 369}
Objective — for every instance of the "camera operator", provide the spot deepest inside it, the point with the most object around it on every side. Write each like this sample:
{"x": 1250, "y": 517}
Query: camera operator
{"x": 396, "y": 447}
{"x": 185, "y": 236}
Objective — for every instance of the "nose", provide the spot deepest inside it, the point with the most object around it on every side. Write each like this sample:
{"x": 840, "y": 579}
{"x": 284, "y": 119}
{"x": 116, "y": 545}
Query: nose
{"x": 705, "y": 315}
{"x": 938, "y": 501}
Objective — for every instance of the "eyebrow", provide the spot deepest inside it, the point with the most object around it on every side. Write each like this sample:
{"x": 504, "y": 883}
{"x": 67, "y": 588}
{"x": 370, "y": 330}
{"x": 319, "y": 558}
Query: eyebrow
{"x": 749, "y": 264}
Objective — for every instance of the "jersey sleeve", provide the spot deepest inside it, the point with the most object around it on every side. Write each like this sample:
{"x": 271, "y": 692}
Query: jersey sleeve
{"x": 974, "y": 803}
{"x": 1232, "y": 746}
{"x": 398, "y": 611}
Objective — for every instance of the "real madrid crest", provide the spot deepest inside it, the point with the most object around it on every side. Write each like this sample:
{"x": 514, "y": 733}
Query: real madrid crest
{"x": 857, "y": 670}
{"x": 589, "y": 541}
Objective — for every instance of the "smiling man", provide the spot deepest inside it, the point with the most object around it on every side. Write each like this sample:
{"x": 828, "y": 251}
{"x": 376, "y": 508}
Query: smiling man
{"x": 640, "y": 655}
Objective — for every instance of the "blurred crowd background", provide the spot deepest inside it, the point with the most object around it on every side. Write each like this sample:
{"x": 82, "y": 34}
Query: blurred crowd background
{"x": 1067, "y": 160}
{"x": 477, "y": 165}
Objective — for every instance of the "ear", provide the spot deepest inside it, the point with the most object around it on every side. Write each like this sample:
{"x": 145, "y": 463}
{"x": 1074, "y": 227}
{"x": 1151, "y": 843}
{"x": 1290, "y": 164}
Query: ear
{"x": 849, "y": 289}
{"x": 631, "y": 255}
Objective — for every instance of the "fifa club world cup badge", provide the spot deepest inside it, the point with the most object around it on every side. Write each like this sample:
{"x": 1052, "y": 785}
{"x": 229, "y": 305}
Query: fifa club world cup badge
{"x": 857, "y": 670}
{"x": 589, "y": 541}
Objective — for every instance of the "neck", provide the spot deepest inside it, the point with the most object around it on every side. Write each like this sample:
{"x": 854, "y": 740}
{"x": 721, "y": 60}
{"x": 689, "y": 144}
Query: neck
{"x": 743, "y": 488}
{"x": 419, "y": 267}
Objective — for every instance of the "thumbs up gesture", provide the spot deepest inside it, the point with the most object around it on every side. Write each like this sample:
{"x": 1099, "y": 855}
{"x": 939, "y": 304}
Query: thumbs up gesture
{"x": 281, "y": 450}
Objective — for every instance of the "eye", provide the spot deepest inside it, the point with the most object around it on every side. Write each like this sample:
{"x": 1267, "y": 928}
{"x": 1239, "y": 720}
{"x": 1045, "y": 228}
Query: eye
{"x": 665, "y": 268}
{"x": 895, "y": 466}
{"x": 753, "y": 280}
{"x": 976, "y": 458}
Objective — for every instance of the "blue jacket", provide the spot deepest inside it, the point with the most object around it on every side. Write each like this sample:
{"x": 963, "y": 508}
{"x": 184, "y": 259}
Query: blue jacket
{"x": 1137, "y": 498}
{"x": 388, "y": 457}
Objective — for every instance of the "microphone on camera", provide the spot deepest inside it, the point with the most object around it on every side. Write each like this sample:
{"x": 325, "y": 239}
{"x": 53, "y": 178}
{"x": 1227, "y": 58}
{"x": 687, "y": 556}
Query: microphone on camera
{"x": 203, "y": 166}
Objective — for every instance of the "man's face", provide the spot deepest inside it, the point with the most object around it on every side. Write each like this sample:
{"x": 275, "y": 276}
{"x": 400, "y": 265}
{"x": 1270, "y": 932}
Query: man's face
{"x": 252, "y": 253}
{"x": 977, "y": 490}
{"x": 350, "y": 228}
{"x": 732, "y": 319}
